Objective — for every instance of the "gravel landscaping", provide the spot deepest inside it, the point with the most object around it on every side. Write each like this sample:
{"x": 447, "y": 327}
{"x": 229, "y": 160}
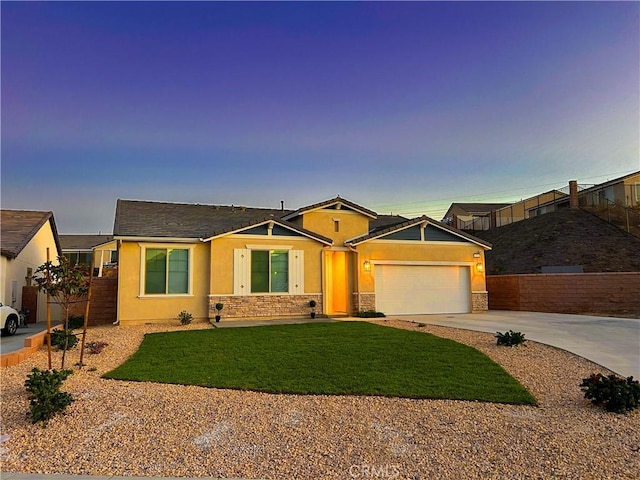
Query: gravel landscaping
{"x": 144, "y": 429}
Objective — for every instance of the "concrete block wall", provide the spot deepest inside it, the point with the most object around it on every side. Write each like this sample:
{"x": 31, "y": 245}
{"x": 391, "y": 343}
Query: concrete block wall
{"x": 237, "y": 306}
{"x": 610, "y": 293}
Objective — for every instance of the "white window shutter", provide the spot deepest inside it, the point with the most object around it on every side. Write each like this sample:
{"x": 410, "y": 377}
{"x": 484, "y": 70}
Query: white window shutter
{"x": 296, "y": 271}
{"x": 241, "y": 271}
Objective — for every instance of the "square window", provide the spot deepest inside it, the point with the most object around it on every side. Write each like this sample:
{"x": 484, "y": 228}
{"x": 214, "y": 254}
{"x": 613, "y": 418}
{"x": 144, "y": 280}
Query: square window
{"x": 166, "y": 271}
{"x": 269, "y": 271}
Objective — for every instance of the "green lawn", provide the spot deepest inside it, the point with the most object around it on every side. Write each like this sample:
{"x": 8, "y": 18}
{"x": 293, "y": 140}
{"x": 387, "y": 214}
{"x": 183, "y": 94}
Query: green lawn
{"x": 340, "y": 358}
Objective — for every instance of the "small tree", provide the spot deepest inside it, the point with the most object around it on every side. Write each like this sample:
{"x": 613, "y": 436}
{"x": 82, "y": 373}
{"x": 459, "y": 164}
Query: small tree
{"x": 67, "y": 284}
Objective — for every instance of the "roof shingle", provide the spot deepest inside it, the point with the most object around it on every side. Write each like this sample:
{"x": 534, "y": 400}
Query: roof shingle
{"x": 18, "y": 227}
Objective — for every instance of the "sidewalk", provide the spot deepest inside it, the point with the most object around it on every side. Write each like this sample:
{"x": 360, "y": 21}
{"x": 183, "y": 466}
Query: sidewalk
{"x": 16, "y": 348}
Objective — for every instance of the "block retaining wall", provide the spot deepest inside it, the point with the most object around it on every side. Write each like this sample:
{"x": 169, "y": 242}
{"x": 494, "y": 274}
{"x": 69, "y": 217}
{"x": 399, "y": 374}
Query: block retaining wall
{"x": 604, "y": 293}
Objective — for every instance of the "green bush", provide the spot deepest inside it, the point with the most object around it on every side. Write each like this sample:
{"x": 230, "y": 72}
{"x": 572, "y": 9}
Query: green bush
{"x": 76, "y": 322}
{"x": 185, "y": 317}
{"x": 510, "y": 338}
{"x": 45, "y": 397}
{"x": 618, "y": 394}
{"x": 58, "y": 339}
{"x": 370, "y": 314}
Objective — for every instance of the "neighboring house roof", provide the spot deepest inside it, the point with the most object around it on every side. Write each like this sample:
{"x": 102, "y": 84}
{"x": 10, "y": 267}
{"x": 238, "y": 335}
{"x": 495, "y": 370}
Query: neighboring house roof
{"x": 386, "y": 230}
{"x": 338, "y": 201}
{"x": 478, "y": 208}
{"x": 83, "y": 242}
{"x": 18, "y": 227}
{"x": 135, "y": 218}
{"x": 609, "y": 183}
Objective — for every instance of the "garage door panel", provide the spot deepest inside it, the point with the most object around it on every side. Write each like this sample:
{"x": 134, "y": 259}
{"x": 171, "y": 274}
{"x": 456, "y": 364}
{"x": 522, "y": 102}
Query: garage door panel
{"x": 415, "y": 289}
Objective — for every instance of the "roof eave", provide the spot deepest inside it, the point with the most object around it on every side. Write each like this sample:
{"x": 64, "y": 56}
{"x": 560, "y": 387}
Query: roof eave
{"x": 306, "y": 233}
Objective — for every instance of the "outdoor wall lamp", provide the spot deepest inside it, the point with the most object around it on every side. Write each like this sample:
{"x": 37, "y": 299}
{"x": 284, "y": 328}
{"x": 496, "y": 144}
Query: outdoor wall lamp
{"x": 479, "y": 267}
{"x": 366, "y": 266}
{"x": 476, "y": 255}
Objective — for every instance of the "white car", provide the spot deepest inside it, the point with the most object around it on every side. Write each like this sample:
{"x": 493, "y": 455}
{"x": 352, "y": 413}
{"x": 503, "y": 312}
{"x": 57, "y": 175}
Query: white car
{"x": 9, "y": 319}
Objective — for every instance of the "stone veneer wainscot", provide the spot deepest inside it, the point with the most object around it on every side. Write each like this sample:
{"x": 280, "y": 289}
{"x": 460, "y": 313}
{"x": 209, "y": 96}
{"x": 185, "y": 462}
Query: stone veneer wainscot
{"x": 272, "y": 305}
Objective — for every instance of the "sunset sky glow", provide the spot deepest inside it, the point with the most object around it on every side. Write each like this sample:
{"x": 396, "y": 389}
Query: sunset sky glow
{"x": 401, "y": 107}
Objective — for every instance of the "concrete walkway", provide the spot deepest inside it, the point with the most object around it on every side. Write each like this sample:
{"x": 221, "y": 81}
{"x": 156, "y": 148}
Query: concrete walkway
{"x": 16, "y": 342}
{"x": 611, "y": 342}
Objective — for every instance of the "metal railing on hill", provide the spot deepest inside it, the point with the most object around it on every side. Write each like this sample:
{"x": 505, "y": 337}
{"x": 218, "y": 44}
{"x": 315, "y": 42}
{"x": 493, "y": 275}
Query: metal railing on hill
{"x": 625, "y": 218}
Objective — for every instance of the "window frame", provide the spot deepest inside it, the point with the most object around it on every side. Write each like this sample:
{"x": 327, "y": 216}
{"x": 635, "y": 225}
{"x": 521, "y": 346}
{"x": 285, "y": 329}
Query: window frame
{"x": 242, "y": 270}
{"x": 269, "y": 252}
{"x": 143, "y": 269}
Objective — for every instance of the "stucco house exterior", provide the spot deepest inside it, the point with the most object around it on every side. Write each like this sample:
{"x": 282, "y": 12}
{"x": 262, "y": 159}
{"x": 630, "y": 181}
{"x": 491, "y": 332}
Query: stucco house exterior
{"x": 25, "y": 237}
{"x": 263, "y": 262}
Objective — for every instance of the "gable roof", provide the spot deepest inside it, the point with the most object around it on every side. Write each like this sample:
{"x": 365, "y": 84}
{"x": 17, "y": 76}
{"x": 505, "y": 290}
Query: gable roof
{"x": 83, "y": 242}
{"x": 18, "y": 227}
{"x": 338, "y": 201}
{"x": 388, "y": 229}
{"x": 275, "y": 221}
{"x": 136, "y": 218}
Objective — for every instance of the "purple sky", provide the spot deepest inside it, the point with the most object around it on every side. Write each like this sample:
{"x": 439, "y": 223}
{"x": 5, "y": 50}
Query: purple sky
{"x": 402, "y": 107}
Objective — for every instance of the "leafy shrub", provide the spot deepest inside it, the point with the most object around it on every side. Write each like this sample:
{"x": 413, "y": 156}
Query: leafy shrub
{"x": 510, "y": 338}
{"x": 370, "y": 314}
{"x": 312, "y": 303}
{"x": 45, "y": 397}
{"x": 219, "y": 306}
{"x": 76, "y": 322}
{"x": 618, "y": 394}
{"x": 96, "y": 347}
{"x": 185, "y": 317}
{"x": 58, "y": 338}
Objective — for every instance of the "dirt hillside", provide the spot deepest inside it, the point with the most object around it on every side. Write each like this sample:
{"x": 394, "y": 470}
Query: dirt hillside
{"x": 564, "y": 237}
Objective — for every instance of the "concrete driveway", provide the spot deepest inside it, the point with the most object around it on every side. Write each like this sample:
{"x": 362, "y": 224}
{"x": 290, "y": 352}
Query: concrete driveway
{"x": 611, "y": 342}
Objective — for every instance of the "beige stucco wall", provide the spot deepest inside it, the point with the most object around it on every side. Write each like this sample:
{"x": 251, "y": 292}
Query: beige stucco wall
{"x": 627, "y": 193}
{"x": 137, "y": 309}
{"x": 32, "y": 256}
{"x": 435, "y": 252}
{"x": 352, "y": 224}
{"x": 221, "y": 267}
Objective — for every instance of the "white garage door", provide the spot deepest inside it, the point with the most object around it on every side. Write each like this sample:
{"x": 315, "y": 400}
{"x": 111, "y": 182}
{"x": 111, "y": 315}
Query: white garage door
{"x": 414, "y": 289}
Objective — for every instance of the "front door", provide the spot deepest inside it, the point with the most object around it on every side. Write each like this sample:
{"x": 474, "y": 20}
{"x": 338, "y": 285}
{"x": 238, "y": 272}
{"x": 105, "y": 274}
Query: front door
{"x": 337, "y": 285}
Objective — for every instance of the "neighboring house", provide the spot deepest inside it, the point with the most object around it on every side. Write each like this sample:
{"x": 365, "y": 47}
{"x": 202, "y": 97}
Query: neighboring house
{"x": 267, "y": 262}
{"x": 25, "y": 237}
{"x": 619, "y": 192}
{"x": 79, "y": 249}
{"x": 623, "y": 191}
{"x": 460, "y": 215}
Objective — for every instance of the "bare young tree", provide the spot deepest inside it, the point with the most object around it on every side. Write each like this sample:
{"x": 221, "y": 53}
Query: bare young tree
{"x": 67, "y": 284}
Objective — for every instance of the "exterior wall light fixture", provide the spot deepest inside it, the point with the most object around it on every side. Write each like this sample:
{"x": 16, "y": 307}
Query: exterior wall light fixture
{"x": 476, "y": 255}
{"x": 479, "y": 267}
{"x": 366, "y": 266}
